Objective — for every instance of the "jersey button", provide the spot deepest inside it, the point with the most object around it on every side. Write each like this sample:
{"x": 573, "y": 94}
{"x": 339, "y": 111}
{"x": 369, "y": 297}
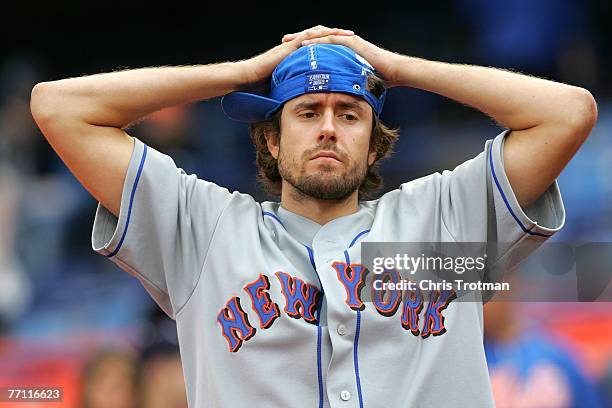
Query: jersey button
{"x": 345, "y": 395}
{"x": 341, "y": 329}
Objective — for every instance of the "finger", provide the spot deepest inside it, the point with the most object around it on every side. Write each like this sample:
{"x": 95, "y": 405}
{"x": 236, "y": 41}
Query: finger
{"x": 289, "y": 37}
{"x": 329, "y": 39}
{"x": 324, "y": 31}
{"x": 318, "y": 28}
{"x": 319, "y": 32}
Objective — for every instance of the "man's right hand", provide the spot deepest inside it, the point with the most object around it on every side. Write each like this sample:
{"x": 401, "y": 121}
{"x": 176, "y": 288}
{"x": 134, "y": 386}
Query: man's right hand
{"x": 83, "y": 118}
{"x": 258, "y": 69}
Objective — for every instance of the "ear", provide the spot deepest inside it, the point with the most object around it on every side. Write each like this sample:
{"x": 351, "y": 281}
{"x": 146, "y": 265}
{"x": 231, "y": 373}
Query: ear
{"x": 371, "y": 157}
{"x": 273, "y": 142}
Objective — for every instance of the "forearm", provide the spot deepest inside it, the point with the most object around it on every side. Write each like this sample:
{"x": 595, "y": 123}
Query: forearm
{"x": 514, "y": 100}
{"x": 117, "y": 99}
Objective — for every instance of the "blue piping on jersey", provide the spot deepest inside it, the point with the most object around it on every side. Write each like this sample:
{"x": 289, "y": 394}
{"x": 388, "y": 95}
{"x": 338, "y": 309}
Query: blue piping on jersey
{"x": 312, "y": 262}
{"x": 264, "y": 213}
{"x": 319, "y": 364}
{"x": 358, "y": 236}
{"x": 127, "y": 222}
{"x": 358, "y": 328}
{"x": 314, "y": 266}
{"x": 506, "y": 200}
{"x": 311, "y": 257}
{"x": 355, "y": 347}
{"x": 356, "y": 341}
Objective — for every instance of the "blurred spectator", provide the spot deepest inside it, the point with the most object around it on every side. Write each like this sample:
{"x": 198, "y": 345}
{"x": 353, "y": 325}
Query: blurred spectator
{"x": 109, "y": 381}
{"x": 161, "y": 376}
{"x": 161, "y": 380}
{"x": 606, "y": 386}
{"x": 17, "y": 135}
{"x": 527, "y": 369}
{"x": 15, "y": 287}
{"x": 586, "y": 186}
{"x": 578, "y": 64}
{"x": 44, "y": 193}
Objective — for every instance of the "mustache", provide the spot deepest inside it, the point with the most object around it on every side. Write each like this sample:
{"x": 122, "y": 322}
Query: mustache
{"x": 330, "y": 147}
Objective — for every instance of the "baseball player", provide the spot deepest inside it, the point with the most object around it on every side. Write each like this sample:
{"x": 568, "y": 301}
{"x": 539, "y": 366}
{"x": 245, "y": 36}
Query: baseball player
{"x": 269, "y": 298}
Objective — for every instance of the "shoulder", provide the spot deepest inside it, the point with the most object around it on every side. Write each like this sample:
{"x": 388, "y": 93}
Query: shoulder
{"x": 426, "y": 186}
{"x": 423, "y": 192}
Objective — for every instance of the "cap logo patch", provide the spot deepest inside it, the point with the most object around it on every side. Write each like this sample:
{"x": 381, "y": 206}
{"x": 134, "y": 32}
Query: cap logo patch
{"x": 317, "y": 82}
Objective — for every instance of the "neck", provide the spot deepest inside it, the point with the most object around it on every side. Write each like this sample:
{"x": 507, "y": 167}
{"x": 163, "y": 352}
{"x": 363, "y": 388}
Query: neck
{"x": 320, "y": 211}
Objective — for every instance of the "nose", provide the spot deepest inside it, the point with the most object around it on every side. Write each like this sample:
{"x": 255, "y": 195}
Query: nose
{"x": 328, "y": 129}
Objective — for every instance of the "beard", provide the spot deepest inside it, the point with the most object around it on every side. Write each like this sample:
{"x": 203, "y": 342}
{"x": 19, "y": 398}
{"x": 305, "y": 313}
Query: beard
{"x": 326, "y": 183}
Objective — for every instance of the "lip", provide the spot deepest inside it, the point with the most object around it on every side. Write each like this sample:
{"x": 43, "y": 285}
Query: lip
{"x": 326, "y": 154}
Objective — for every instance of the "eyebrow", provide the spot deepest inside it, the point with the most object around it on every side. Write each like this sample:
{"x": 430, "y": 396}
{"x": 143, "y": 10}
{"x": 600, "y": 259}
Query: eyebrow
{"x": 312, "y": 105}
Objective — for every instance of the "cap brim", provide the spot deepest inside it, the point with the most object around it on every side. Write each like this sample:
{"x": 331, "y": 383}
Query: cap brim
{"x": 247, "y": 107}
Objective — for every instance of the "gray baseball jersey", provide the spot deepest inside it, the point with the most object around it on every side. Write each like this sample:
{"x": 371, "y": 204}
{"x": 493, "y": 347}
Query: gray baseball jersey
{"x": 267, "y": 302}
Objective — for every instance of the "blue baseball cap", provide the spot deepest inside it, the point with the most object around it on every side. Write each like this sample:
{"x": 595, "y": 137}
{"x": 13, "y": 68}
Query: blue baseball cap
{"x": 309, "y": 69}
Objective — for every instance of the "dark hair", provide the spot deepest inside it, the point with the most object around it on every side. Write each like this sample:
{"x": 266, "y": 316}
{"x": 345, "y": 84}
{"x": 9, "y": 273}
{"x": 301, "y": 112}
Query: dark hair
{"x": 382, "y": 140}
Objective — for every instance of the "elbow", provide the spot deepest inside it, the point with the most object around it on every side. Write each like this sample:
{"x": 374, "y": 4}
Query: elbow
{"x": 43, "y": 102}
{"x": 583, "y": 114}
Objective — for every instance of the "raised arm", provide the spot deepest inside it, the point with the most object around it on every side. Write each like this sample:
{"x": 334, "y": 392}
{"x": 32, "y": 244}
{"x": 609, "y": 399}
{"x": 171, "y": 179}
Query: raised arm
{"x": 549, "y": 120}
{"x": 83, "y": 118}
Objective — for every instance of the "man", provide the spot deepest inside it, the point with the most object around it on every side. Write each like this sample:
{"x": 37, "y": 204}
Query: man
{"x": 529, "y": 368}
{"x": 268, "y": 296}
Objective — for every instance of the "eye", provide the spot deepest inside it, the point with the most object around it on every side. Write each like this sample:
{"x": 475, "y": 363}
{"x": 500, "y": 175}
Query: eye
{"x": 350, "y": 117}
{"x": 307, "y": 115}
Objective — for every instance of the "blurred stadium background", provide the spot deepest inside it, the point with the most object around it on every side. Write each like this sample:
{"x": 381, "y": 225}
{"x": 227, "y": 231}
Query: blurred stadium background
{"x": 70, "y": 318}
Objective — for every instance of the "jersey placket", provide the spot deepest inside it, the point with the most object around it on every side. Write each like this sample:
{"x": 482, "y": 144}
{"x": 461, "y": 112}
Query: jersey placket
{"x": 343, "y": 384}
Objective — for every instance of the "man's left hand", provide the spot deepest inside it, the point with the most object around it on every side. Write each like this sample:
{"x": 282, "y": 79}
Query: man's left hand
{"x": 384, "y": 62}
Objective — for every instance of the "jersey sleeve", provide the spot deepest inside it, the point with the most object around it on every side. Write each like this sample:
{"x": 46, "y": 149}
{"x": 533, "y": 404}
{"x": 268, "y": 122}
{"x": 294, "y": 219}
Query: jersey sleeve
{"x": 479, "y": 205}
{"x": 165, "y": 226}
